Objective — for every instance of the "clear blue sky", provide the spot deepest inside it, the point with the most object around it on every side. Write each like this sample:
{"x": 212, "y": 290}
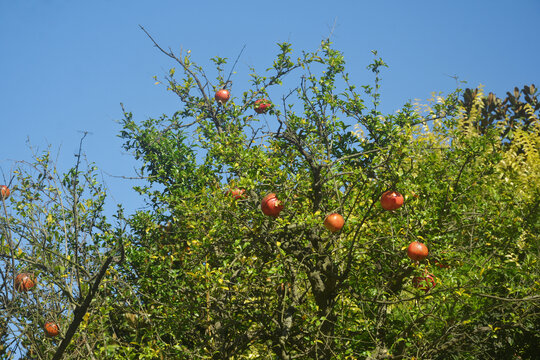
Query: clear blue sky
{"x": 66, "y": 65}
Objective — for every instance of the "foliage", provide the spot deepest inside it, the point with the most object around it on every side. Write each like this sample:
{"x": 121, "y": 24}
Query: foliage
{"x": 218, "y": 279}
{"x": 208, "y": 275}
{"x": 52, "y": 227}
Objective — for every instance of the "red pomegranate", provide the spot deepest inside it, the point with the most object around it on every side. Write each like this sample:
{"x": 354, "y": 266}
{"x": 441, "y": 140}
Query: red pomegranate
{"x": 391, "y": 200}
{"x": 271, "y": 206}
{"x": 24, "y": 282}
{"x": 417, "y": 251}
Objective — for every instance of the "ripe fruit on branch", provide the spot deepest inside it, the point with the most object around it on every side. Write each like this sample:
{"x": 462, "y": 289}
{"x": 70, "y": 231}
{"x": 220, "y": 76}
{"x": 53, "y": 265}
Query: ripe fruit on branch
{"x": 334, "y": 222}
{"x": 51, "y": 329}
{"x": 24, "y": 282}
{"x": 222, "y": 96}
{"x": 424, "y": 283}
{"x": 271, "y": 206}
{"x": 417, "y": 251}
{"x": 237, "y": 193}
{"x": 391, "y": 200}
{"x": 4, "y": 192}
{"x": 262, "y": 106}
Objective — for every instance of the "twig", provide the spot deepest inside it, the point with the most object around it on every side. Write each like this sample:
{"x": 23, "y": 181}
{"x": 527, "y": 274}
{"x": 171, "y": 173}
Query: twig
{"x": 234, "y": 65}
{"x": 528, "y": 298}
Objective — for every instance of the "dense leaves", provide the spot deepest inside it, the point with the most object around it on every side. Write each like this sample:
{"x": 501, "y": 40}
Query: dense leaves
{"x": 208, "y": 275}
{"x": 218, "y": 279}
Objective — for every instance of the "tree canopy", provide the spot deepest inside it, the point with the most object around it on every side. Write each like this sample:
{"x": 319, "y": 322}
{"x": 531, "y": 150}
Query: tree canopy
{"x": 202, "y": 272}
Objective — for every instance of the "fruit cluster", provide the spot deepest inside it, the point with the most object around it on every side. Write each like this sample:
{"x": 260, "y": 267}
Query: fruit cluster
{"x": 260, "y": 106}
{"x": 334, "y": 222}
